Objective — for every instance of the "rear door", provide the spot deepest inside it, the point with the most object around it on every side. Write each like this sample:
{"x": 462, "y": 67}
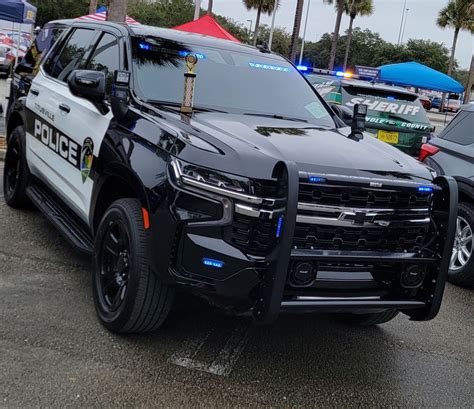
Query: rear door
{"x": 63, "y": 131}
{"x": 456, "y": 143}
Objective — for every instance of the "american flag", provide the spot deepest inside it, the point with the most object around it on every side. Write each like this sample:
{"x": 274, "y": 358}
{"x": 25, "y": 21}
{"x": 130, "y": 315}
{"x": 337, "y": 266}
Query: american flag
{"x": 102, "y": 15}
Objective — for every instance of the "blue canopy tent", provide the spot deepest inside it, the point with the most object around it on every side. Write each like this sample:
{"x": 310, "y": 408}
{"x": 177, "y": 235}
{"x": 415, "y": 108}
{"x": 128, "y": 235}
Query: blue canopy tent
{"x": 17, "y": 11}
{"x": 413, "y": 74}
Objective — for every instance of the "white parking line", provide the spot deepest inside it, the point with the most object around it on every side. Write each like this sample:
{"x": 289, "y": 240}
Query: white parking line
{"x": 226, "y": 358}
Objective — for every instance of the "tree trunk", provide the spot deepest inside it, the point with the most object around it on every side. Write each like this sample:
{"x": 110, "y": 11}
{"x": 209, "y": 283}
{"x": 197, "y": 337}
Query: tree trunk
{"x": 209, "y": 7}
{"x": 451, "y": 65}
{"x": 257, "y": 23}
{"x": 296, "y": 30}
{"x": 117, "y": 10}
{"x": 348, "y": 43}
{"x": 335, "y": 36}
{"x": 453, "y": 51}
{"x": 470, "y": 82}
{"x": 92, "y": 6}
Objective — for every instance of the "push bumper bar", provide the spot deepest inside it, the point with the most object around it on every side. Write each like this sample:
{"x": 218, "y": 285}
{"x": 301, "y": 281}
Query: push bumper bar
{"x": 271, "y": 300}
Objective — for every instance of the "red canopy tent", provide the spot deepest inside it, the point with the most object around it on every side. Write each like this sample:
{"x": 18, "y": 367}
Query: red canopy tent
{"x": 208, "y": 26}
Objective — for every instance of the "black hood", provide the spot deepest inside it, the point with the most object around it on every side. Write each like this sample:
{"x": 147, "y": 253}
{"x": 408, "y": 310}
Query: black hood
{"x": 252, "y": 144}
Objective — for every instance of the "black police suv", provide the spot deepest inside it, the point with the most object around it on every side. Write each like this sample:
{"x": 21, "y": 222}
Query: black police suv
{"x": 452, "y": 153}
{"x": 260, "y": 199}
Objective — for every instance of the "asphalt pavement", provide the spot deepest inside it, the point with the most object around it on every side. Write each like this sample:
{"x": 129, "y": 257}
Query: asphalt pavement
{"x": 54, "y": 352}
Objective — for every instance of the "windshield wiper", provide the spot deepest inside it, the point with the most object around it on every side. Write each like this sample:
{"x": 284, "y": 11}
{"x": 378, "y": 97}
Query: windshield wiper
{"x": 172, "y": 104}
{"x": 275, "y": 116}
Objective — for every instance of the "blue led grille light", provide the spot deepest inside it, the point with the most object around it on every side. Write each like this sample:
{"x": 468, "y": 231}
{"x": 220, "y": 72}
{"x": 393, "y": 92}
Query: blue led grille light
{"x": 144, "y": 46}
{"x": 279, "y": 226}
{"x": 210, "y": 262}
{"x": 302, "y": 68}
{"x": 339, "y": 73}
{"x": 425, "y": 189}
{"x": 317, "y": 179}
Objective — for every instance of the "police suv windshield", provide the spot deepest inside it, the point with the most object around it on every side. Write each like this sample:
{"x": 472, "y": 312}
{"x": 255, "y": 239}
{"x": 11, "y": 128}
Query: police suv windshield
{"x": 226, "y": 80}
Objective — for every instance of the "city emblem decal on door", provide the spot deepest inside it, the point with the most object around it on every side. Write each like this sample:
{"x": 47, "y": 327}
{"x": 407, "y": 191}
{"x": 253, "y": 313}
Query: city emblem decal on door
{"x": 87, "y": 155}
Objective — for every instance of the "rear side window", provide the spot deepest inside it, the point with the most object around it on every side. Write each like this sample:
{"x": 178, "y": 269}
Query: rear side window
{"x": 43, "y": 42}
{"x": 461, "y": 129}
{"x": 59, "y": 66}
{"x": 105, "y": 58}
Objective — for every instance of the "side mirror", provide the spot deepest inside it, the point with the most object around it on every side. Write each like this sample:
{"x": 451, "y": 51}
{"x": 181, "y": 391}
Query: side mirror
{"x": 358, "y": 121}
{"x": 343, "y": 112}
{"x": 88, "y": 84}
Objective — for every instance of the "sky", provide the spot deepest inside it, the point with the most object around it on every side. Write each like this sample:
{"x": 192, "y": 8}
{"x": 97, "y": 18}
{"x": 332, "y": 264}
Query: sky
{"x": 420, "y": 24}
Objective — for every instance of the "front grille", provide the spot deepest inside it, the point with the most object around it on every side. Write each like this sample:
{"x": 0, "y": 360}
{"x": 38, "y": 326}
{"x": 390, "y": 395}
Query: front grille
{"x": 349, "y": 196}
{"x": 252, "y": 235}
{"x": 394, "y": 239}
{"x": 357, "y": 218}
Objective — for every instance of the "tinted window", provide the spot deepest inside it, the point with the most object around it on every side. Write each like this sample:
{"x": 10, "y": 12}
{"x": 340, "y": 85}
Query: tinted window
{"x": 227, "y": 80}
{"x": 43, "y": 42}
{"x": 106, "y": 58}
{"x": 461, "y": 130}
{"x": 60, "y": 66}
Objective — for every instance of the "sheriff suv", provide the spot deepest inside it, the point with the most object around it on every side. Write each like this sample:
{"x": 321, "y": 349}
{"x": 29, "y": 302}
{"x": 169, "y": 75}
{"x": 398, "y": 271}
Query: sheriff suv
{"x": 395, "y": 115}
{"x": 260, "y": 199}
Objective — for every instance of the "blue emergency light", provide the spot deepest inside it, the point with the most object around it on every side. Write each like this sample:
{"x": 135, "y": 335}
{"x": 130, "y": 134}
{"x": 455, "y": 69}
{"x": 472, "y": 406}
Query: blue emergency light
{"x": 210, "y": 262}
{"x": 425, "y": 189}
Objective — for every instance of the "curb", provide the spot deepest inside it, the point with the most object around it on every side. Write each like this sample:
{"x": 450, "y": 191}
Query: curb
{"x": 3, "y": 148}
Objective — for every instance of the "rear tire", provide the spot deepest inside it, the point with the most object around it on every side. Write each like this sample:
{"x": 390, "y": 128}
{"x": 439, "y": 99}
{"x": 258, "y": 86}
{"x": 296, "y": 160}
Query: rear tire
{"x": 369, "y": 319}
{"x": 16, "y": 175}
{"x": 128, "y": 296}
{"x": 459, "y": 274}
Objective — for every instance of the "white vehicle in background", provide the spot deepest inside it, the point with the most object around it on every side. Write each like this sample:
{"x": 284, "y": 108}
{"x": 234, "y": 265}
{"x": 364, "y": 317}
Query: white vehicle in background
{"x": 7, "y": 59}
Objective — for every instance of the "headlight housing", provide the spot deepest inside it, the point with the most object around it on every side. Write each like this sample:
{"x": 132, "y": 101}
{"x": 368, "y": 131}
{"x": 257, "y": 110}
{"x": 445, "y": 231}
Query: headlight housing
{"x": 216, "y": 183}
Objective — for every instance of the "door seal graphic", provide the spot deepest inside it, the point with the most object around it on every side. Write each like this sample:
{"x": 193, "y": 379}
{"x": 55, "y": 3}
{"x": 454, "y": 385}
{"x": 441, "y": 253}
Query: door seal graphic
{"x": 87, "y": 155}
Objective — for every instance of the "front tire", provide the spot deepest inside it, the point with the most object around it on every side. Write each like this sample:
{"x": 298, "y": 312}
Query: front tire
{"x": 461, "y": 269}
{"x": 369, "y": 319}
{"x": 128, "y": 296}
{"x": 16, "y": 175}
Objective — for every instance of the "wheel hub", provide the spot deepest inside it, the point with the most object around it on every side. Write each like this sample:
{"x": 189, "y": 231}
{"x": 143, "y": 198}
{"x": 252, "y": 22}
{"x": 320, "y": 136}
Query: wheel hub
{"x": 463, "y": 245}
{"x": 115, "y": 261}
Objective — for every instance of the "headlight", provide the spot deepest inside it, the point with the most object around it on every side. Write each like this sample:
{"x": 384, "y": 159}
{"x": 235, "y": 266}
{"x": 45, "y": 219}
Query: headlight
{"x": 220, "y": 183}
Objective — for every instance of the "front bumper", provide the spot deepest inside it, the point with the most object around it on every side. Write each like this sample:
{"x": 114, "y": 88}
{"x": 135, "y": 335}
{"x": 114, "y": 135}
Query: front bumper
{"x": 259, "y": 281}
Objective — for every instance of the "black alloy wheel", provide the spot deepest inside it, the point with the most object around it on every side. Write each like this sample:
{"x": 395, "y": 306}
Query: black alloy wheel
{"x": 114, "y": 267}
{"x": 16, "y": 176}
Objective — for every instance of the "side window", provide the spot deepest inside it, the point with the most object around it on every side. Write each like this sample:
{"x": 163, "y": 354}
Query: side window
{"x": 42, "y": 43}
{"x": 462, "y": 131}
{"x": 60, "y": 65}
{"x": 105, "y": 58}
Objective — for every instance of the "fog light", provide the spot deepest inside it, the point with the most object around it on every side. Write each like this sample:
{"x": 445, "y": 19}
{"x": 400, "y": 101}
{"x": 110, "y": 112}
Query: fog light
{"x": 412, "y": 277}
{"x": 303, "y": 274}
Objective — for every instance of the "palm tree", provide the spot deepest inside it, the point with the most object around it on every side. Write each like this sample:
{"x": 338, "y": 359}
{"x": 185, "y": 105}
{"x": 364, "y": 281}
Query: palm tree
{"x": 117, "y": 10}
{"x": 296, "y": 29}
{"x": 457, "y": 14}
{"x": 337, "y": 27}
{"x": 92, "y": 6}
{"x": 354, "y": 8}
{"x": 209, "y": 7}
{"x": 262, "y": 6}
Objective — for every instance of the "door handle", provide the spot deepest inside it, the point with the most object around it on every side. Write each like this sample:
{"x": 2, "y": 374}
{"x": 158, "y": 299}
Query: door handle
{"x": 35, "y": 92}
{"x": 65, "y": 108}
